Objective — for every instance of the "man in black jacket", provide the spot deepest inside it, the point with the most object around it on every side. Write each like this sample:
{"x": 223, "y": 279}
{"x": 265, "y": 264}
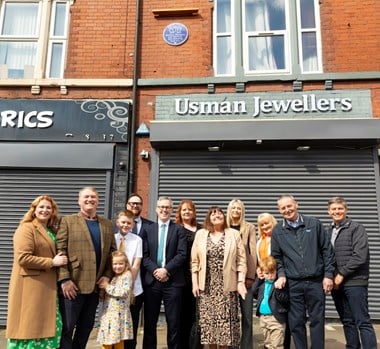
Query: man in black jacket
{"x": 305, "y": 261}
{"x": 350, "y": 292}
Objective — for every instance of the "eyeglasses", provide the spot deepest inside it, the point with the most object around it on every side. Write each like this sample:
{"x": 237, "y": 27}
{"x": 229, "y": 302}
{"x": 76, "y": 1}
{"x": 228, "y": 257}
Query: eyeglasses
{"x": 134, "y": 203}
{"x": 164, "y": 207}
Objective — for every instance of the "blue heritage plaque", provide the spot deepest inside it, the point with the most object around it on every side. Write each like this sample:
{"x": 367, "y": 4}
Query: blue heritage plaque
{"x": 175, "y": 34}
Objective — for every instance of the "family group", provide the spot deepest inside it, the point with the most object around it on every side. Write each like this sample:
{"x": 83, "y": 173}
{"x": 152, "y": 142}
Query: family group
{"x": 70, "y": 270}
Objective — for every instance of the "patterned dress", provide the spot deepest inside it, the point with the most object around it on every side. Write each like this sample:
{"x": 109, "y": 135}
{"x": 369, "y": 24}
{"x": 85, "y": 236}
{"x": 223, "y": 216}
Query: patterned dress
{"x": 219, "y": 312}
{"x": 115, "y": 316}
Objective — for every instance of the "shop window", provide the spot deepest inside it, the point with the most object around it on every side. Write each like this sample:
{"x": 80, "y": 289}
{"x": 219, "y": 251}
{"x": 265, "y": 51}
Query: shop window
{"x": 33, "y": 38}
{"x": 267, "y": 37}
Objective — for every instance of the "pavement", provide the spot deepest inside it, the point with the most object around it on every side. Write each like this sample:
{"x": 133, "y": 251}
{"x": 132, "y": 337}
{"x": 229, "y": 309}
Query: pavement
{"x": 334, "y": 337}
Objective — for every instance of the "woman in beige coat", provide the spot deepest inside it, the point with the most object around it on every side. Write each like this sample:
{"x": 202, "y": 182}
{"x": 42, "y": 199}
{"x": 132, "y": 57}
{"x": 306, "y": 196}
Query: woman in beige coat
{"x": 33, "y": 316}
{"x": 236, "y": 220}
{"x": 218, "y": 265}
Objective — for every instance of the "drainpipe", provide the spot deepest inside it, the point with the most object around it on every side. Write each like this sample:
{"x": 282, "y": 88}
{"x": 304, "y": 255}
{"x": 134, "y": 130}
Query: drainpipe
{"x": 133, "y": 118}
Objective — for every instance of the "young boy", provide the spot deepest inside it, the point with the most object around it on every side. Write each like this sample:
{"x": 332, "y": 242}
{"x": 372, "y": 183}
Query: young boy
{"x": 272, "y": 305}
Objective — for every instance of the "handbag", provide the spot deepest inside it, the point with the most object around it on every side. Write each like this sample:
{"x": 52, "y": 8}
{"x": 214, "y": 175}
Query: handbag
{"x": 195, "y": 332}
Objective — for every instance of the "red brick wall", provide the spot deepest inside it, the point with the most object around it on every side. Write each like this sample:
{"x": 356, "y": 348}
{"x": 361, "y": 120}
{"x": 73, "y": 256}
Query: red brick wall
{"x": 193, "y": 58}
{"x": 350, "y": 39}
{"x": 101, "y": 42}
{"x": 101, "y": 39}
{"x": 350, "y": 35}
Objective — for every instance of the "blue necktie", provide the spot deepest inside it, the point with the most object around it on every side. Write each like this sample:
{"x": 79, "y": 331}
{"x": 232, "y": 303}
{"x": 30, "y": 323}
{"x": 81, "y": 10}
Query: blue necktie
{"x": 160, "y": 251}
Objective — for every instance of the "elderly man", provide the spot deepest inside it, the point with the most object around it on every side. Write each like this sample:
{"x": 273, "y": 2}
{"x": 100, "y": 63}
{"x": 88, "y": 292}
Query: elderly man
{"x": 305, "y": 260}
{"x": 88, "y": 241}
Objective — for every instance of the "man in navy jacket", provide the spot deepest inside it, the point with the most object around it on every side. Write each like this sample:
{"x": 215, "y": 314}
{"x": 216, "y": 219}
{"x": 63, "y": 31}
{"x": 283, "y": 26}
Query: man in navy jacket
{"x": 305, "y": 261}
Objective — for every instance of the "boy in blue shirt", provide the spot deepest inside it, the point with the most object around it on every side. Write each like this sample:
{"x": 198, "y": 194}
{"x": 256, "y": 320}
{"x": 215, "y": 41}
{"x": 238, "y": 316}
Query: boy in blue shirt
{"x": 272, "y": 305}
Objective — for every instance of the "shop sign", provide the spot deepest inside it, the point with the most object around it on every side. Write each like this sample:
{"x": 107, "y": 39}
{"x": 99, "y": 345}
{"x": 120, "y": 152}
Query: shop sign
{"x": 304, "y": 105}
{"x": 64, "y": 120}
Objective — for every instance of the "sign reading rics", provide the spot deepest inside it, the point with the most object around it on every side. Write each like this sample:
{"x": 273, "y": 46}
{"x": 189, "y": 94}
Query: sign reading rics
{"x": 90, "y": 120}
{"x": 175, "y": 34}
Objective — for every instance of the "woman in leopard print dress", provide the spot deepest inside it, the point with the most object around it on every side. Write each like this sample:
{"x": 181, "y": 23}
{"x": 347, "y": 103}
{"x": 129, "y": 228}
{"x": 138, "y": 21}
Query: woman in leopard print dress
{"x": 218, "y": 272}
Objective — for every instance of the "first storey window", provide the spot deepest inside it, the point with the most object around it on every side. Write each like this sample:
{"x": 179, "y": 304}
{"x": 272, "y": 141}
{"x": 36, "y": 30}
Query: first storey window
{"x": 266, "y": 37}
{"x": 33, "y": 38}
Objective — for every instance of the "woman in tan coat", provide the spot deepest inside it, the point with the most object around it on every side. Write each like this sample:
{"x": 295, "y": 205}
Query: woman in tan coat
{"x": 33, "y": 316}
{"x": 236, "y": 220}
{"x": 218, "y": 265}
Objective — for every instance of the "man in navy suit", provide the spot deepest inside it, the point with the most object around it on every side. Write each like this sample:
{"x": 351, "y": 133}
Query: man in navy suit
{"x": 164, "y": 254}
{"x": 135, "y": 205}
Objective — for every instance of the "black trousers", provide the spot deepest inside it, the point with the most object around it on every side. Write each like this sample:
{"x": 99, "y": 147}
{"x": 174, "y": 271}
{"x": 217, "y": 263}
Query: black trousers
{"x": 187, "y": 315}
{"x": 171, "y": 297}
{"x": 78, "y": 317}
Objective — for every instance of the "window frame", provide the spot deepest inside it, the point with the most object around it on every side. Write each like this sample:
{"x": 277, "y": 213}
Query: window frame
{"x": 317, "y": 31}
{"x": 53, "y": 39}
{"x": 292, "y": 34}
{"x": 44, "y": 40}
{"x": 231, "y": 34}
{"x": 285, "y": 33}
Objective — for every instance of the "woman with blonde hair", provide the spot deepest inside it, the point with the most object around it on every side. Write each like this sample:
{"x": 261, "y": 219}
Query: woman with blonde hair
{"x": 265, "y": 224}
{"x": 236, "y": 220}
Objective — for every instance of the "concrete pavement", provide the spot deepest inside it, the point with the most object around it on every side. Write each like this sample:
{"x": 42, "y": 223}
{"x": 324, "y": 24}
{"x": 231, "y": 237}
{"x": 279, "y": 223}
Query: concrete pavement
{"x": 334, "y": 337}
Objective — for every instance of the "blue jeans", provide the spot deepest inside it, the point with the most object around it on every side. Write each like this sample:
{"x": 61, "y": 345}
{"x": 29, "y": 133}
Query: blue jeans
{"x": 306, "y": 297}
{"x": 351, "y": 303}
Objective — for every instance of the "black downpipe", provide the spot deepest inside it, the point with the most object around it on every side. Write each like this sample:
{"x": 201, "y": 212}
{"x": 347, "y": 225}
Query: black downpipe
{"x": 132, "y": 123}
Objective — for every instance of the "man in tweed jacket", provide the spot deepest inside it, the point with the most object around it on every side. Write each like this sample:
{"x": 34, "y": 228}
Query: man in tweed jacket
{"x": 88, "y": 241}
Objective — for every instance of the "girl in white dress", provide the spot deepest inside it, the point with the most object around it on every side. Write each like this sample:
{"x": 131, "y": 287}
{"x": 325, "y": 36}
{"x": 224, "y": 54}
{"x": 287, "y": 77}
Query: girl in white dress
{"x": 115, "y": 316}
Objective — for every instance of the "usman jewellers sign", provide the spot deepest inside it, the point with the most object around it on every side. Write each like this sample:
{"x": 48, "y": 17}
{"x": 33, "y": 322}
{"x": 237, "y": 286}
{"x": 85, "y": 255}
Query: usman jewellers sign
{"x": 285, "y": 105}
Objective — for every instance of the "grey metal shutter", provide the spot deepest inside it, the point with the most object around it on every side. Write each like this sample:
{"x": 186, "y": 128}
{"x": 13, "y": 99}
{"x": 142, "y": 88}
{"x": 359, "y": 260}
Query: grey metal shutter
{"x": 19, "y": 187}
{"x": 259, "y": 177}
